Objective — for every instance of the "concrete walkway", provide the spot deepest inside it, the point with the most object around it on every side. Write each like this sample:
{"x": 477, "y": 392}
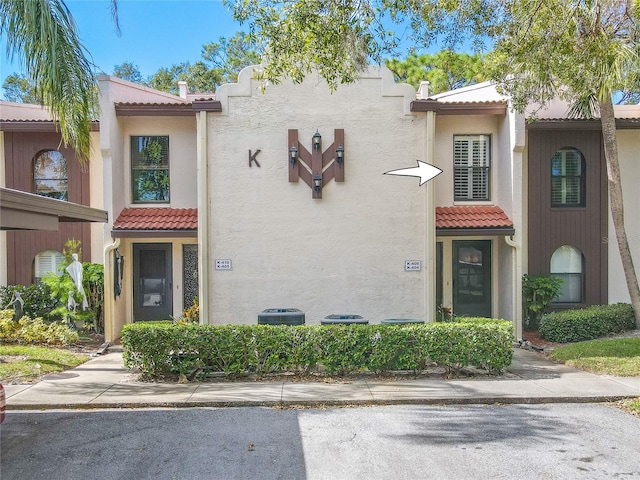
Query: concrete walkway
{"x": 103, "y": 382}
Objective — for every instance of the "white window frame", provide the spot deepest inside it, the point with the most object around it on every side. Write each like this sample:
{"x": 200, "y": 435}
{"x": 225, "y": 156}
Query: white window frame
{"x": 563, "y": 177}
{"x": 47, "y": 262}
{"x": 473, "y": 173}
{"x": 567, "y": 262}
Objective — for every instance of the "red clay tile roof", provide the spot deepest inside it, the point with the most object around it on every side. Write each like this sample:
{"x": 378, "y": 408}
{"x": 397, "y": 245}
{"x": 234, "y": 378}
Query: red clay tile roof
{"x": 472, "y": 217}
{"x": 157, "y": 219}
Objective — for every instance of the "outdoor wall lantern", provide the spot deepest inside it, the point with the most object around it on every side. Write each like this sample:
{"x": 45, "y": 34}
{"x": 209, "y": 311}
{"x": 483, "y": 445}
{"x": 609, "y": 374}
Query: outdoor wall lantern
{"x": 316, "y": 140}
{"x": 315, "y": 167}
{"x": 340, "y": 154}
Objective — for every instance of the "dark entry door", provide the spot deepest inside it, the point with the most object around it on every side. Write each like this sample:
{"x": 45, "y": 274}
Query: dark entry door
{"x": 472, "y": 278}
{"x": 152, "y": 294}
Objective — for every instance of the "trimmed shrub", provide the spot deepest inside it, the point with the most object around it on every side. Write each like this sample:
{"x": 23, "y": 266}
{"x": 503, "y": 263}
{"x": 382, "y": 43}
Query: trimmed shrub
{"x": 161, "y": 348}
{"x": 401, "y": 348}
{"x": 587, "y": 323}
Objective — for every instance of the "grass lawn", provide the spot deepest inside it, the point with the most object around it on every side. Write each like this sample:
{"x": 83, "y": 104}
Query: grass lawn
{"x": 631, "y": 405}
{"x": 24, "y": 363}
{"x": 617, "y": 356}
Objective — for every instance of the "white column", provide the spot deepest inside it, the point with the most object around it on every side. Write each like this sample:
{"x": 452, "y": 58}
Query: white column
{"x": 430, "y": 225}
{"x": 203, "y": 217}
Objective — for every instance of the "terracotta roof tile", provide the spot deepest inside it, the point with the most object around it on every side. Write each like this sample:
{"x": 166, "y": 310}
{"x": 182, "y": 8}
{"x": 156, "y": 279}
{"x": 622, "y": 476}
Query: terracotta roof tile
{"x": 472, "y": 217}
{"x": 157, "y": 219}
{"x": 154, "y": 104}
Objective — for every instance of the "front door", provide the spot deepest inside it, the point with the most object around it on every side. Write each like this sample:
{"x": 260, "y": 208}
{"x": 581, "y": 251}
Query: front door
{"x": 152, "y": 293}
{"x": 472, "y": 278}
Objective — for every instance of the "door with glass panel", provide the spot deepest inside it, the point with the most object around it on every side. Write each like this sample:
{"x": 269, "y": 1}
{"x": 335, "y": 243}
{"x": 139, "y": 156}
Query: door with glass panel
{"x": 152, "y": 293}
{"x": 472, "y": 278}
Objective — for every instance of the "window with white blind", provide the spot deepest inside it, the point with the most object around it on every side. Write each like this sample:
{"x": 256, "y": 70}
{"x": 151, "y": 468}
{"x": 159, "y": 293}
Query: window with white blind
{"x": 47, "y": 262}
{"x": 567, "y": 265}
{"x": 471, "y": 167}
{"x": 567, "y": 178}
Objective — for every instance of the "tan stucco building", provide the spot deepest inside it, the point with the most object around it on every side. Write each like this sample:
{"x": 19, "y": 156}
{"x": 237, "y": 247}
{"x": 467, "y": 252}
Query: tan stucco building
{"x": 257, "y": 198}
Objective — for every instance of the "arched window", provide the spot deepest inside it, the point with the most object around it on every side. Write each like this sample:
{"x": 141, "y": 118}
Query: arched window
{"x": 47, "y": 262}
{"x": 567, "y": 178}
{"x": 50, "y": 178}
{"x": 567, "y": 264}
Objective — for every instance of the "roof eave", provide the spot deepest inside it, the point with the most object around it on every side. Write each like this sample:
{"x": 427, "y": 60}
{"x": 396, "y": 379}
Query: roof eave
{"x": 28, "y": 211}
{"x": 154, "y": 110}
{"x": 573, "y": 124}
{"x": 472, "y": 232}
{"x": 459, "y": 108}
{"x": 38, "y": 126}
{"x": 126, "y": 233}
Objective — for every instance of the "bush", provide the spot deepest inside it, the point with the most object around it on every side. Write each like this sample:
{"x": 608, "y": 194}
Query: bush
{"x": 37, "y": 299}
{"x": 587, "y": 323}
{"x": 160, "y": 348}
{"x": 62, "y": 287}
{"x": 190, "y": 314}
{"x": 34, "y": 331}
{"x": 538, "y": 291}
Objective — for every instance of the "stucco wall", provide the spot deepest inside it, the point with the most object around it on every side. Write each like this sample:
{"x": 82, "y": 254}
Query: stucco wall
{"x": 343, "y": 253}
{"x": 628, "y": 141}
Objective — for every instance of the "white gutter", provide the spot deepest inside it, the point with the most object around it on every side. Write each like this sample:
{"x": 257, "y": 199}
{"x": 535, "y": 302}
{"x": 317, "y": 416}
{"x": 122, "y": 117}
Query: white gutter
{"x": 517, "y": 297}
{"x": 109, "y": 298}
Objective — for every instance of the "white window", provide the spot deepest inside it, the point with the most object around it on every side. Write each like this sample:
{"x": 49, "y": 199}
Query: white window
{"x": 47, "y": 262}
{"x": 471, "y": 167}
{"x": 567, "y": 178}
{"x": 567, "y": 265}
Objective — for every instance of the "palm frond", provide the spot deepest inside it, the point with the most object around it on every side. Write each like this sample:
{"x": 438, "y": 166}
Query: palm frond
{"x": 585, "y": 107}
{"x": 43, "y": 35}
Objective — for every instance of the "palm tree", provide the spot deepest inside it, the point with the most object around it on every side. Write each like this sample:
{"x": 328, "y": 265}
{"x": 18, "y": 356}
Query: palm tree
{"x": 43, "y": 35}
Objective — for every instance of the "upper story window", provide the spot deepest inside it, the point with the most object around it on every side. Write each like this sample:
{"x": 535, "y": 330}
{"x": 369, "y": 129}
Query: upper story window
{"x": 50, "y": 177}
{"x": 567, "y": 265}
{"x": 471, "y": 167}
{"x": 567, "y": 178}
{"x": 150, "y": 169}
{"x": 46, "y": 263}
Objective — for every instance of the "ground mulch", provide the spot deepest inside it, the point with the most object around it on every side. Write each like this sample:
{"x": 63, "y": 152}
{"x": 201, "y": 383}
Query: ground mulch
{"x": 536, "y": 340}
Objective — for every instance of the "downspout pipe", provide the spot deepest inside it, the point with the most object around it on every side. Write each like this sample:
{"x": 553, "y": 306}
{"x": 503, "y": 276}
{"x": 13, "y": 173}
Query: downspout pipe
{"x": 109, "y": 316}
{"x": 517, "y": 297}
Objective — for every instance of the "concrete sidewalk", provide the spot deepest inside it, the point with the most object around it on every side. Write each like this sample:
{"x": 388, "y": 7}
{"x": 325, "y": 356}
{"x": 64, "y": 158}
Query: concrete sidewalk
{"x": 103, "y": 382}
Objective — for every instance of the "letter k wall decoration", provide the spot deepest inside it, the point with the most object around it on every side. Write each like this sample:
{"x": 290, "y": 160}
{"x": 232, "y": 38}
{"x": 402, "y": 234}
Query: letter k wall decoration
{"x": 316, "y": 168}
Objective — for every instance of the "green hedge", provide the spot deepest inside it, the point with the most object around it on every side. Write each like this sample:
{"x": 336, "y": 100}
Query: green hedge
{"x": 587, "y": 323}
{"x": 161, "y": 348}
